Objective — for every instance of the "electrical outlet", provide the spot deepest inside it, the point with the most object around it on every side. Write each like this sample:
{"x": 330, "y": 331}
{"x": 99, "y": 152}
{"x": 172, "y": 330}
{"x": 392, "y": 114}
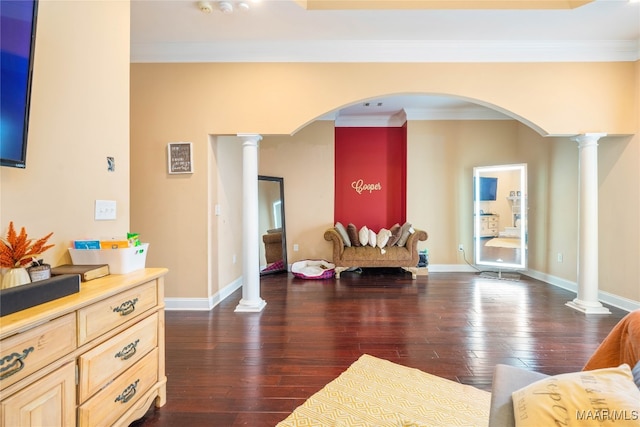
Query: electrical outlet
{"x": 560, "y": 257}
{"x": 295, "y": 247}
{"x": 460, "y": 247}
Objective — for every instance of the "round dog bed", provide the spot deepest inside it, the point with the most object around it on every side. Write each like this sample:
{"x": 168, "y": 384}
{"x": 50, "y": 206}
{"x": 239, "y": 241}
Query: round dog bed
{"x": 313, "y": 269}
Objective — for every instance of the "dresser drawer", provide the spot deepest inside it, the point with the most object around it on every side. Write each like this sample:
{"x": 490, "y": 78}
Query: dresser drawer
{"x": 103, "y": 363}
{"x": 26, "y": 352}
{"x": 103, "y": 316}
{"x": 110, "y": 403}
{"x": 50, "y": 402}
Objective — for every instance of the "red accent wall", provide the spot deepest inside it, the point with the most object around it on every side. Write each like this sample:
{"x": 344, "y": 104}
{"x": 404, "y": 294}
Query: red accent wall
{"x": 376, "y": 158}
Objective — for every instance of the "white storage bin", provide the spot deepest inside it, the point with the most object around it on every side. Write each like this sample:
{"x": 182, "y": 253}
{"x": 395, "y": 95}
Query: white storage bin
{"x": 121, "y": 261}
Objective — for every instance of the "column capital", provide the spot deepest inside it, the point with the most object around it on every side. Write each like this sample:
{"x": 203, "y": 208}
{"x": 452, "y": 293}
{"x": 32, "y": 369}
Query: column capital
{"x": 250, "y": 138}
{"x": 588, "y": 139}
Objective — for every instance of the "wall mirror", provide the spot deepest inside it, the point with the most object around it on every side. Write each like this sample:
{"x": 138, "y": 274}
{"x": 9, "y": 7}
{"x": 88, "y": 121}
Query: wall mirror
{"x": 273, "y": 242}
{"x": 500, "y": 216}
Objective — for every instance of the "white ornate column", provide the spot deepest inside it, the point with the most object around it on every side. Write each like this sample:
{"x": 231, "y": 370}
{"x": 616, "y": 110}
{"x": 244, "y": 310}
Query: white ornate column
{"x": 251, "y": 301}
{"x": 587, "y": 298}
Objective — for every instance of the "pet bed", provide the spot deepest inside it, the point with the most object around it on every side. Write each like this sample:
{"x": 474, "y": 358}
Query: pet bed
{"x": 313, "y": 269}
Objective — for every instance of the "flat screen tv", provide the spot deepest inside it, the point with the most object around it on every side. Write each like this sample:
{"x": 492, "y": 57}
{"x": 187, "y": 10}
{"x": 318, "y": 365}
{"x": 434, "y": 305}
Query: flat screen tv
{"x": 488, "y": 188}
{"x": 17, "y": 43}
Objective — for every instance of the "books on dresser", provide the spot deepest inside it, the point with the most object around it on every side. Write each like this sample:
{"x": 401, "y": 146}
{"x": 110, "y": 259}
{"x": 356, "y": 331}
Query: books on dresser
{"x": 86, "y": 272}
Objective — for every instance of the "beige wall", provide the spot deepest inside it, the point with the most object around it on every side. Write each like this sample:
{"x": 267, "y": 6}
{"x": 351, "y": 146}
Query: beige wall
{"x": 259, "y": 98}
{"x": 229, "y": 223}
{"x": 306, "y": 162}
{"x": 188, "y": 102}
{"x": 79, "y": 116}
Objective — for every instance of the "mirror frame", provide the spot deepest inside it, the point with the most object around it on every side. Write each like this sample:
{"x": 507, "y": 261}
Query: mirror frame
{"x": 280, "y": 181}
{"x": 522, "y": 198}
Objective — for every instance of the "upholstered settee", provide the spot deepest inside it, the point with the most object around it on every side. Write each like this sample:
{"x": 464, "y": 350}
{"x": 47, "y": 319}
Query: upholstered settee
{"x": 273, "y": 245}
{"x": 405, "y": 256}
{"x": 620, "y": 347}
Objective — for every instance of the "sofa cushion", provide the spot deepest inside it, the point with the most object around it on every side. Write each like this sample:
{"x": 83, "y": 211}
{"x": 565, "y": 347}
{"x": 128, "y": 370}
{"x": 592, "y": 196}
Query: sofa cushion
{"x": 506, "y": 380}
{"x": 584, "y": 398}
{"x": 352, "y": 231}
{"x": 372, "y": 238}
{"x": 383, "y": 237}
{"x": 343, "y": 233}
{"x": 363, "y": 234}
{"x": 395, "y": 230}
{"x": 405, "y": 231}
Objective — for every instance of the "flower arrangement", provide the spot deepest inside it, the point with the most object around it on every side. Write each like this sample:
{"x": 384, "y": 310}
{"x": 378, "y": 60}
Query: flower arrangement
{"x": 19, "y": 251}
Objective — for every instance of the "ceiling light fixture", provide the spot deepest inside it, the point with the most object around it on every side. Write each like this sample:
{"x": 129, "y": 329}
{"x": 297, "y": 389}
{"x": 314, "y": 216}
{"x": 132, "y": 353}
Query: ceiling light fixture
{"x": 205, "y": 6}
{"x": 225, "y": 6}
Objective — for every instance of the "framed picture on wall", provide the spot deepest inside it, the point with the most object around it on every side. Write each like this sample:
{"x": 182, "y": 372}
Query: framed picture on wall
{"x": 180, "y": 157}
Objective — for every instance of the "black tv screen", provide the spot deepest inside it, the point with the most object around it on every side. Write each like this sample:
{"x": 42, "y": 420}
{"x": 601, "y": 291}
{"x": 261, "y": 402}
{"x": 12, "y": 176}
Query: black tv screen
{"x": 17, "y": 42}
{"x": 488, "y": 188}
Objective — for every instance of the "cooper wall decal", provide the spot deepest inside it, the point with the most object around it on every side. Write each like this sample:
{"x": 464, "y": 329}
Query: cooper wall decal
{"x": 360, "y": 186}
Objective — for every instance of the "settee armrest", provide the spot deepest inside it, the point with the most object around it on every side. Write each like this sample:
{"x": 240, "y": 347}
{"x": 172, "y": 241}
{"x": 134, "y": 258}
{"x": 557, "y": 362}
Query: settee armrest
{"x": 506, "y": 380}
{"x": 332, "y": 235}
{"x": 412, "y": 240}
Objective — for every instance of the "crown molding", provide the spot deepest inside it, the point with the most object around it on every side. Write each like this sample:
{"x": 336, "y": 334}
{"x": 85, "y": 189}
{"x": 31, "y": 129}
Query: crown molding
{"x": 374, "y": 120}
{"x": 399, "y": 118}
{"x": 389, "y": 51}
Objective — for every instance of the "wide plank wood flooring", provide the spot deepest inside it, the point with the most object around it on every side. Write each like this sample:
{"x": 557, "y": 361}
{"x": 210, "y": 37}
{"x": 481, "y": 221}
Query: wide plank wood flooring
{"x": 253, "y": 369}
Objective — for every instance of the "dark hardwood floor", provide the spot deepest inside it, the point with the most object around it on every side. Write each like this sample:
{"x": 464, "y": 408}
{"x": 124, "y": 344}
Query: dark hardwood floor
{"x": 252, "y": 369}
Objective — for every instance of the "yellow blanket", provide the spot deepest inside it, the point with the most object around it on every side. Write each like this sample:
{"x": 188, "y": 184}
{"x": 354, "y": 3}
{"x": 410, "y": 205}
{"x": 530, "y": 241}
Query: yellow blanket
{"x": 377, "y": 392}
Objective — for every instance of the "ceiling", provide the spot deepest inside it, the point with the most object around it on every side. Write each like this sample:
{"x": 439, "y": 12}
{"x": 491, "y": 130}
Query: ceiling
{"x": 388, "y": 31}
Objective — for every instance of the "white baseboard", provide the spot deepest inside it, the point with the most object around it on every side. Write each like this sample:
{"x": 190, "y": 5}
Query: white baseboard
{"x": 203, "y": 304}
{"x": 604, "y": 297}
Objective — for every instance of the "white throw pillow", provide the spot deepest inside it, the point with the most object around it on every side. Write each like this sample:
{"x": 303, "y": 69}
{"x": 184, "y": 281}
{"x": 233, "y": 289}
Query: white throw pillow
{"x": 372, "y": 238}
{"x": 602, "y": 397}
{"x": 363, "y": 234}
{"x": 383, "y": 237}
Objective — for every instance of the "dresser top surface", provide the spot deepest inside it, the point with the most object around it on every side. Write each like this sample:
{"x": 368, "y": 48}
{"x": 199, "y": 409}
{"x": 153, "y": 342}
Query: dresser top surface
{"x": 90, "y": 292}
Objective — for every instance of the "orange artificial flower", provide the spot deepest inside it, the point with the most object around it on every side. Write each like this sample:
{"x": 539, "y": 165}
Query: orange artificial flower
{"x": 18, "y": 251}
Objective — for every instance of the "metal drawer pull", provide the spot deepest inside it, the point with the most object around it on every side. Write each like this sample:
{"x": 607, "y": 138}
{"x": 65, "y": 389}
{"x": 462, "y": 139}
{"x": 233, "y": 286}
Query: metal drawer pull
{"x": 128, "y": 393}
{"x": 128, "y": 351}
{"x": 15, "y": 363}
{"x": 126, "y": 307}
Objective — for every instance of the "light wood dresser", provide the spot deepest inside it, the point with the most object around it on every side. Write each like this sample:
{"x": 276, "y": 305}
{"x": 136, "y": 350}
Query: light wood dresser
{"x": 94, "y": 358}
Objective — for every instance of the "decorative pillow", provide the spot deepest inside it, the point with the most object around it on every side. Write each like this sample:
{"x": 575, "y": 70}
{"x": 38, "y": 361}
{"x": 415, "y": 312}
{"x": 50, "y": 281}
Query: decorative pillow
{"x": 363, "y": 234}
{"x": 352, "y": 231}
{"x": 601, "y": 397}
{"x": 372, "y": 238}
{"x": 383, "y": 237}
{"x": 395, "y": 234}
{"x": 404, "y": 233}
{"x": 343, "y": 233}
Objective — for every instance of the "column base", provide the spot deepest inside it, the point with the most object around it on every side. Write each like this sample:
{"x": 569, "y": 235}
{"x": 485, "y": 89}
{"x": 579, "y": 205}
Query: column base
{"x": 588, "y": 307}
{"x": 245, "y": 306}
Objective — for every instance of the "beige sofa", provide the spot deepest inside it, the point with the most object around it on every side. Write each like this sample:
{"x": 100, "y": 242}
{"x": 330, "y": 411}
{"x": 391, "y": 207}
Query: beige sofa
{"x": 622, "y": 345}
{"x": 345, "y": 257}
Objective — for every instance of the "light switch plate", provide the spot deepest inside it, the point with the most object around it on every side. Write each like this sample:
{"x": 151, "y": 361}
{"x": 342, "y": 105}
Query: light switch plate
{"x": 105, "y": 210}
